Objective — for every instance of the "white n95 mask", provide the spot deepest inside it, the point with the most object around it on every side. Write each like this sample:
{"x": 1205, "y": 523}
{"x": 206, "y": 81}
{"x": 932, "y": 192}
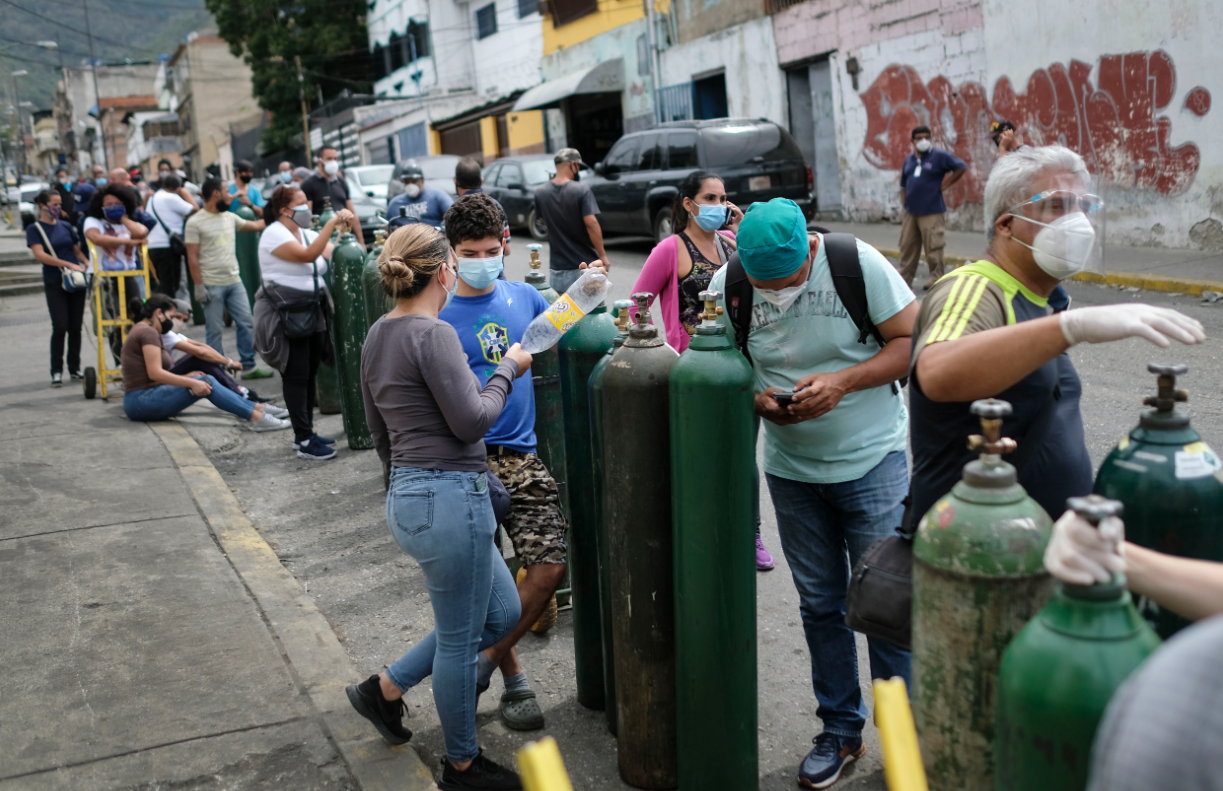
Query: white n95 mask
{"x": 1063, "y": 247}
{"x": 782, "y": 298}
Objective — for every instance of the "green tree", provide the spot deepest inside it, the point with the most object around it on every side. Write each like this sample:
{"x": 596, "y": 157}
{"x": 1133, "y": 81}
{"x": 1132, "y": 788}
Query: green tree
{"x": 330, "y": 37}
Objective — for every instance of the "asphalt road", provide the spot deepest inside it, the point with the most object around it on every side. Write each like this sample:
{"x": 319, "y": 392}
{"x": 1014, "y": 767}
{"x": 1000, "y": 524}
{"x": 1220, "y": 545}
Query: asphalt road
{"x": 326, "y": 521}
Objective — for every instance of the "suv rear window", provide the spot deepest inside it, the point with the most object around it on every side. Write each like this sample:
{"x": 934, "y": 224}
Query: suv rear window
{"x": 730, "y": 146}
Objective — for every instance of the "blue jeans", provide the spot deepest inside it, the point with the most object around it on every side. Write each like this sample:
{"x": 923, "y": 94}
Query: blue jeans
{"x": 234, "y": 298}
{"x": 818, "y": 523}
{"x": 165, "y": 401}
{"x": 445, "y": 521}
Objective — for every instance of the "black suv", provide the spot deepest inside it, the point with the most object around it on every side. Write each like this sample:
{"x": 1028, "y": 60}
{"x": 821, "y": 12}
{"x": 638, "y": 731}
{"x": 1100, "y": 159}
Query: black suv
{"x": 756, "y": 158}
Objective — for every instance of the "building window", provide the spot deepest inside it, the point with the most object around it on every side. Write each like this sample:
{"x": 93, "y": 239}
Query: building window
{"x": 486, "y": 21}
{"x": 527, "y": 7}
{"x": 401, "y": 50}
{"x": 566, "y": 11}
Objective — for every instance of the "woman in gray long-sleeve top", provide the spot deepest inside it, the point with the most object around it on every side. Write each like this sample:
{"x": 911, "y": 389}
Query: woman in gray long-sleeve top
{"x": 428, "y": 416}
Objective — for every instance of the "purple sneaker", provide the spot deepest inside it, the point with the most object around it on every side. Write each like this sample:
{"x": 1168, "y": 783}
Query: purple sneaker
{"x": 764, "y": 561}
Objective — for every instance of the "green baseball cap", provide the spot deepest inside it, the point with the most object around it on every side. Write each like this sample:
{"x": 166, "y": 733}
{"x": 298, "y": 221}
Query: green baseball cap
{"x": 772, "y": 239}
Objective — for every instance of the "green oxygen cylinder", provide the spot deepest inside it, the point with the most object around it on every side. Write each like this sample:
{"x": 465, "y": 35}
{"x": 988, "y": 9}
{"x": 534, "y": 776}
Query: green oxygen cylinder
{"x": 371, "y": 283}
{"x": 246, "y": 248}
{"x": 1059, "y": 673}
{"x": 327, "y": 381}
{"x": 325, "y": 216}
{"x": 579, "y": 350}
{"x": 712, "y": 450}
{"x": 546, "y": 379}
{"x": 1171, "y": 483}
{"x": 599, "y": 490}
{"x": 348, "y": 268}
{"x": 978, "y": 577}
{"x": 637, "y": 453}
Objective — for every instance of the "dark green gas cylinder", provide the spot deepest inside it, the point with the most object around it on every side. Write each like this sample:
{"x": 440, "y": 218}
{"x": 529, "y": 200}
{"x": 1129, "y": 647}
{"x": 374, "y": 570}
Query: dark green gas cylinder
{"x": 1059, "y": 673}
{"x": 1171, "y": 483}
{"x": 546, "y": 379}
{"x": 712, "y": 453}
{"x": 978, "y": 577}
{"x": 325, "y": 216}
{"x": 327, "y": 381}
{"x": 246, "y": 248}
{"x": 371, "y": 281}
{"x": 599, "y": 489}
{"x": 637, "y": 452}
{"x": 348, "y": 293}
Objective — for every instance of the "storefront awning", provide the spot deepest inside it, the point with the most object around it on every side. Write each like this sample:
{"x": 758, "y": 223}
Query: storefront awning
{"x": 607, "y": 77}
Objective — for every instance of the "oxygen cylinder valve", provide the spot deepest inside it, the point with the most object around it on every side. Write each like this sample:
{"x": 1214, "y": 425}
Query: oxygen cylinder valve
{"x": 622, "y": 306}
{"x": 990, "y": 441}
{"x": 710, "y": 315}
{"x": 642, "y": 298}
{"x": 1095, "y": 508}
{"x": 1168, "y": 396}
{"x": 534, "y": 249}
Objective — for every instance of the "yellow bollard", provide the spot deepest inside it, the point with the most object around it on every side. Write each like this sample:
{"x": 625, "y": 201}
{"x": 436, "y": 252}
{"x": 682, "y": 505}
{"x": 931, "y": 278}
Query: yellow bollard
{"x": 541, "y": 768}
{"x": 902, "y": 766}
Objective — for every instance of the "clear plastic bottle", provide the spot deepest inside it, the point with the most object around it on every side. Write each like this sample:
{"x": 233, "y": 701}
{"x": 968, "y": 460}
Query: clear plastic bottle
{"x": 586, "y": 293}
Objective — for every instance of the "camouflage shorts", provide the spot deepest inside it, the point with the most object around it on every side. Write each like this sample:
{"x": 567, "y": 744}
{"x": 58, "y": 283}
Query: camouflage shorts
{"x": 535, "y": 523}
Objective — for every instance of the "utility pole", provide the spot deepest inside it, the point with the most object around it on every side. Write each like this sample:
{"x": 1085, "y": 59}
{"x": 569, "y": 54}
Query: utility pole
{"x": 20, "y": 125}
{"x": 97, "y": 95}
{"x": 301, "y": 92}
{"x": 655, "y": 77}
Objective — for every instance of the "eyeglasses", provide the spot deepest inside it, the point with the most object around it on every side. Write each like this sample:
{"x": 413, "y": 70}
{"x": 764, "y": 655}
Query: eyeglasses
{"x": 1058, "y": 203}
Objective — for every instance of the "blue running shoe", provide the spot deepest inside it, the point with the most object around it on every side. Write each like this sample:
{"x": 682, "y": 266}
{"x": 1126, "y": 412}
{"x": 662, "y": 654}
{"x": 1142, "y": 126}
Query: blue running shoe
{"x": 314, "y": 450}
{"x": 328, "y": 441}
{"x": 822, "y": 766}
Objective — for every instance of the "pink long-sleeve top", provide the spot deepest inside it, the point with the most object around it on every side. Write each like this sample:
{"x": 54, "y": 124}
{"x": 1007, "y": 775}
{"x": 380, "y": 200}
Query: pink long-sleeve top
{"x": 660, "y": 277}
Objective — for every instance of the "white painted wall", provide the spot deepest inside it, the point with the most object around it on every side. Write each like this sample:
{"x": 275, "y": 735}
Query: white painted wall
{"x": 618, "y": 42}
{"x": 508, "y": 60}
{"x": 449, "y": 66}
{"x": 755, "y": 85}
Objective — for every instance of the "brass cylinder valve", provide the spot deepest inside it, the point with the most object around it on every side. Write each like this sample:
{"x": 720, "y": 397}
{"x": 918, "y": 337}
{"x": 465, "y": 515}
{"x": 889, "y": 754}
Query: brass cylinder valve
{"x": 622, "y": 306}
{"x": 990, "y": 441}
{"x": 1167, "y": 396}
{"x": 534, "y": 249}
{"x": 712, "y": 310}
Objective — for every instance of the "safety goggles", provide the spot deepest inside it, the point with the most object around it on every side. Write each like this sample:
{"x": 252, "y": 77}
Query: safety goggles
{"x": 1059, "y": 203}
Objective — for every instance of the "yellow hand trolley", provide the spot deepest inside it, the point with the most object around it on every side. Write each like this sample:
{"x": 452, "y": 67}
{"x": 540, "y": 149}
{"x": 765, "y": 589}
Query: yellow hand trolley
{"x": 108, "y": 315}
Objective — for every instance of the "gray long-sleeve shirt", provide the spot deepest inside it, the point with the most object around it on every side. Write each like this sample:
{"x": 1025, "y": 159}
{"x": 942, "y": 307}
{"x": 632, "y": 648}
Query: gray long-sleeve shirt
{"x": 423, "y": 404}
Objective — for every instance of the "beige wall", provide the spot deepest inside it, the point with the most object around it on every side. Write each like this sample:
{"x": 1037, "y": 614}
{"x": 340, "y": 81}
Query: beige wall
{"x": 217, "y": 92}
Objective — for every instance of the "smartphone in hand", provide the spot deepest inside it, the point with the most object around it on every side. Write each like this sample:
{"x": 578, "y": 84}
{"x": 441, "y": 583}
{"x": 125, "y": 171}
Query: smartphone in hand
{"x": 783, "y": 399}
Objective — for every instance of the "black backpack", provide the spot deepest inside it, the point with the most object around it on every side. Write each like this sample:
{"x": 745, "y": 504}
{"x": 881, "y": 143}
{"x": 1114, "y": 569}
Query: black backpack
{"x": 842, "y": 250}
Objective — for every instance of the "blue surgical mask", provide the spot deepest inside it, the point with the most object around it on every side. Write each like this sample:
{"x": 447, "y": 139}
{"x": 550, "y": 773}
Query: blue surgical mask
{"x": 450, "y": 291}
{"x": 100, "y": 182}
{"x": 712, "y": 216}
{"x": 114, "y": 213}
{"x": 480, "y": 272}
{"x": 286, "y": 175}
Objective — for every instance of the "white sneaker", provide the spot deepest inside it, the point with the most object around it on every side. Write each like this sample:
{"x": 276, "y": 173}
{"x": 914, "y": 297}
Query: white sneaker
{"x": 275, "y": 411}
{"x": 269, "y": 422}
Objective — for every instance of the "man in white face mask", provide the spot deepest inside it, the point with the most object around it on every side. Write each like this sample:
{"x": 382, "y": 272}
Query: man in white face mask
{"x": 927, "y": 173}
{"x": 417, "y": 202}
{"x": 326, "y": 182}
{"x": 984, "y": 331}
{"x": 834, "y": 452}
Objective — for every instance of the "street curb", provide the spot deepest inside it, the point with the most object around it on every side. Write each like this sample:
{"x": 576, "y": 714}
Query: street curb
{"x": 1176, "y": 285}
{"x": 306, "y": 637}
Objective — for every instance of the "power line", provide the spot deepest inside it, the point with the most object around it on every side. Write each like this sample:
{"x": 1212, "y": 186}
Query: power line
{"x": 31, "y": 44}
{"x": 61, "y": 24}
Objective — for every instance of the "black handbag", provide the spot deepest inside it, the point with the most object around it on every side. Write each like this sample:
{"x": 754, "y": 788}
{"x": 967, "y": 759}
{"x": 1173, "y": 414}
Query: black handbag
{"x": 299, "y": 319}
{"x": 880, "y": 598}
{"x": 177, "y": 244}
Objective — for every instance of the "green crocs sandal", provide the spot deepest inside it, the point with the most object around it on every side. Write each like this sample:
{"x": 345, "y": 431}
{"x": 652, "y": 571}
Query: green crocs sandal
{"x": 520, "y": 711}
{"x": 255, "y": 373}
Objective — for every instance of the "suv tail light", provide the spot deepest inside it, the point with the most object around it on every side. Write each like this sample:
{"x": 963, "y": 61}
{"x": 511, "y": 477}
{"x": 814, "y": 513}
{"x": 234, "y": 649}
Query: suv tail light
{"x": 810, "y": 179}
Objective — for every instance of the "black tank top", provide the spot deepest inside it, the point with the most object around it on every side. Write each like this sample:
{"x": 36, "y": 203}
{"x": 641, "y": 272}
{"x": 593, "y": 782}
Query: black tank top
{"x": 697, "y": 280}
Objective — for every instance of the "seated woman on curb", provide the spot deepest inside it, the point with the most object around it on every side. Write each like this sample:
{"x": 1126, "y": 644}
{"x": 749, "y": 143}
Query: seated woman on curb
{"x": 205, "y": 359}
{"x": 151, "y": 392}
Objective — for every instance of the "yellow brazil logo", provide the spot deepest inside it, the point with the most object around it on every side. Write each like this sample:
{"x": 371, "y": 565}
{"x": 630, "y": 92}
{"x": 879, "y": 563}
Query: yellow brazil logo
{"x": 493, "y": 341}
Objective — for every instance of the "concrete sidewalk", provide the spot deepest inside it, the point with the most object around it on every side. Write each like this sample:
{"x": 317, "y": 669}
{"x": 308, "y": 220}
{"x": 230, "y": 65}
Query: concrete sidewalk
{"x": 151, "y": 636}
{"x": 1155, "y": 268}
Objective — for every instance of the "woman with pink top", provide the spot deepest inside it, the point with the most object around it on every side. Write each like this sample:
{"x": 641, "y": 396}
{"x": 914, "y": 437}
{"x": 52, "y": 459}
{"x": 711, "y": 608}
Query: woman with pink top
{"x": 680, "y": 267}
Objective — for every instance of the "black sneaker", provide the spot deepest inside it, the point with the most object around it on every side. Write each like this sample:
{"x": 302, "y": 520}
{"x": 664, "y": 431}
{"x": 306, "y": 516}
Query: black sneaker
{"x": 251, "y": 395}
{"x": 387, "y": 715}
{"x": 482, "y": 774}
{"x": 76, "y": 376}
{"x": 314, "y": 450}
{"x": 831, "y": 754}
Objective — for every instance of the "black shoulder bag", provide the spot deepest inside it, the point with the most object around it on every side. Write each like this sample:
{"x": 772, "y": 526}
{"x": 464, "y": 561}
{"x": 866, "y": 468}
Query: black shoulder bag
{"x": 880, "y": 598}
{"x": 298, "y": 319}
{"x": 177, "y": 245}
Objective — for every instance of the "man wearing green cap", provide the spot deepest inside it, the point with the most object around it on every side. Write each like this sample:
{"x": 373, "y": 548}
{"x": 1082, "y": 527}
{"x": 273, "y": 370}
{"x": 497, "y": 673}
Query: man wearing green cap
{"x": 834, "y": 458}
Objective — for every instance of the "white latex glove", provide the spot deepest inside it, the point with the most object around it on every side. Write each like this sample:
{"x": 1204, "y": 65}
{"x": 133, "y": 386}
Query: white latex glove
{"x": 201, "y": 293}
{"x": 1082, "y": 554}
{"x": 1106, "y": 323}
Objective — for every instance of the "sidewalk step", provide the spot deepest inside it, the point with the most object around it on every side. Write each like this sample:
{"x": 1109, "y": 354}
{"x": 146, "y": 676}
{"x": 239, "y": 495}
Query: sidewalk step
{"x": 21, "y": 289}
{"x": 16, "y": 258}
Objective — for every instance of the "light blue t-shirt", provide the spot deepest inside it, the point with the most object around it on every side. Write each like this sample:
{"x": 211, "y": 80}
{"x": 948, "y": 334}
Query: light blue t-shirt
{"x": 816, "y": 335}
{"x": 488, "y": 326}
{"x": 254, "y": 194}
{"x": 429, "y": 207}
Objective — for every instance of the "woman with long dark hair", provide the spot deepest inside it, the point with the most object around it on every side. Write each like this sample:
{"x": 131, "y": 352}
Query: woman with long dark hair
{"x": 152, "y": 392}
{"x": 293, "y": 260}
{"x": 428, "y": 413}
{"x": 680, "y": 267}
{"x": 54, "y": 245}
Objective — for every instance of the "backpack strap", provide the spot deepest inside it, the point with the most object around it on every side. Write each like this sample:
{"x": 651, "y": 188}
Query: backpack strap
{"x": 738, "y": 300}
{"x": 846, "y": 270}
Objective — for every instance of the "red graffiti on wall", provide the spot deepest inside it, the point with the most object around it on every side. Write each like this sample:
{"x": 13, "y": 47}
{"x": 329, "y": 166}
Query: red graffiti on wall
{"x": 1114, "y": 125}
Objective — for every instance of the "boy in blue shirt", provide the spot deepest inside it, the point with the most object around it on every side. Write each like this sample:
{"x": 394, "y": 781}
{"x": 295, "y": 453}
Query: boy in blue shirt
{"x": 926, "y": 174}
{"x": 490, "y": 315}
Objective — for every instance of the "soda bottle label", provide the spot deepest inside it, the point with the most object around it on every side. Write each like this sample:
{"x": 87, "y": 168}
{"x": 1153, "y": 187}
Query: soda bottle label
{"x": 564, "y": 314}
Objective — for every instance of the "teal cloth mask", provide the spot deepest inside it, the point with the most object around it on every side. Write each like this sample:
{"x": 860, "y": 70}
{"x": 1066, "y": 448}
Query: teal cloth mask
{"x": 480, "y": 272}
